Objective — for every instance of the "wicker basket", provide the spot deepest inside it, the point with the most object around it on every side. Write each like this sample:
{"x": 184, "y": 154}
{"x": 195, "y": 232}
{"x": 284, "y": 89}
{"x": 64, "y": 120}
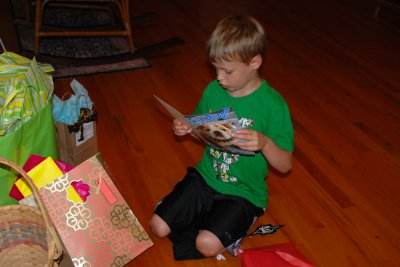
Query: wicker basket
{"x": 27, "y": 235}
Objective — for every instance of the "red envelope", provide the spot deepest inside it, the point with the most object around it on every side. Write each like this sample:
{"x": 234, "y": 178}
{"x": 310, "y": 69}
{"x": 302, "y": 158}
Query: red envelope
{"x": 32, "y": 162}
{"x": 281, "y": 255}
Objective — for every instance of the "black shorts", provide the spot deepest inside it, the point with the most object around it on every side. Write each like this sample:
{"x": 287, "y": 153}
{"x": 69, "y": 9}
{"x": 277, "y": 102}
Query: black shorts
{"x": 193, "y": 203}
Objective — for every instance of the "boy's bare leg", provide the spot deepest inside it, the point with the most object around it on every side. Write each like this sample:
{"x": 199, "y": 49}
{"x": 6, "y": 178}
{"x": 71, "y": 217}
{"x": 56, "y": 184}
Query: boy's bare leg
{"x": 159, "y": 227}
{"x": 209, "y": 244}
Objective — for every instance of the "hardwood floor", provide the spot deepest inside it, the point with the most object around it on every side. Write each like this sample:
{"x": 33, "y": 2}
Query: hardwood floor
{"x": 338, "y": 68}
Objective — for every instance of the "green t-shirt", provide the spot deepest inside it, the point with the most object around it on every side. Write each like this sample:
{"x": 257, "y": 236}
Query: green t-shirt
{"x": 265, "y": 111}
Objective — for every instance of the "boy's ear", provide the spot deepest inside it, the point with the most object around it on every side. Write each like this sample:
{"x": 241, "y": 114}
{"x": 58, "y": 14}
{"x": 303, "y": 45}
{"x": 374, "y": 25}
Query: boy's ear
{"x": 256, "y": 62}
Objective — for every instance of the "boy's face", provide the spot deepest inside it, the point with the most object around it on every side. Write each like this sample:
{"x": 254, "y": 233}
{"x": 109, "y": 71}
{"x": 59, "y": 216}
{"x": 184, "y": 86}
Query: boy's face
{"x": 238, "y": 78}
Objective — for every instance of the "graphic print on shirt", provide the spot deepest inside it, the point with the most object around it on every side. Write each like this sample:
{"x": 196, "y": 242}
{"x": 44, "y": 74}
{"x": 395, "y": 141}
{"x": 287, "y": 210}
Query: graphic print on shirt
{"x": 223, "y": 160}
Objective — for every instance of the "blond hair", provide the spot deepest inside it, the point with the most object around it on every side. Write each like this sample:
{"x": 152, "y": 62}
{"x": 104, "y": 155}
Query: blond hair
{"x": 238, "y": 38}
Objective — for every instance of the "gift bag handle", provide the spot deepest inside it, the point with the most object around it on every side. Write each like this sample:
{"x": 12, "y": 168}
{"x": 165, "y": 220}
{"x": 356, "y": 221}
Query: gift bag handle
{"x": 66, "y": 94}
{"x": 77, "y": 100}
{"x": 55, "y": 246}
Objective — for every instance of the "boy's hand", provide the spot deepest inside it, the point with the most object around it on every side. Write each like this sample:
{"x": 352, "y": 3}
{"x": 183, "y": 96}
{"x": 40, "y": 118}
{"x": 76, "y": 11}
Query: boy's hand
{"x": 181, "y": 128}
{"x": 277, "y": 157}
{"x": 251, "y": 140}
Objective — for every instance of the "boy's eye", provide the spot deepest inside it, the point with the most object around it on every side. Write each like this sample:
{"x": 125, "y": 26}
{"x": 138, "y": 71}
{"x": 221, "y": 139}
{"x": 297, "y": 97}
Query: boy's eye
{"x": 224, "y": 71}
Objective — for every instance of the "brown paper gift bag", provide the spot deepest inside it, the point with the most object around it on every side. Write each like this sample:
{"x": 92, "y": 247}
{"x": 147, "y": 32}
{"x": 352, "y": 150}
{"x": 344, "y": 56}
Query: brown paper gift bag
{"x": 75, "y": 119}
{"x": 73, "y": 150}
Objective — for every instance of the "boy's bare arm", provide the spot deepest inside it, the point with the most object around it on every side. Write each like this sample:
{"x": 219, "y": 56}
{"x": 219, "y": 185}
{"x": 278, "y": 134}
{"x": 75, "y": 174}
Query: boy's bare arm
{"x": 277, "y": 157}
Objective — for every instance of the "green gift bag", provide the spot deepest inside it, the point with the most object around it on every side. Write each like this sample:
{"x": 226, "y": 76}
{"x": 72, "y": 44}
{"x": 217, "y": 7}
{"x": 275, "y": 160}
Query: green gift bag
{"x": 26, "y": 122}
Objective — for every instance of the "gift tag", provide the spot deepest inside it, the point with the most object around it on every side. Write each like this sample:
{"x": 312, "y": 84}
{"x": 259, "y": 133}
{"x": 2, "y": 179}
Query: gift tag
{"x": 88, "y": 132}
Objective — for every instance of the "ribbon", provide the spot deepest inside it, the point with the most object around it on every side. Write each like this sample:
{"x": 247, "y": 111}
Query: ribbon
{"x": 86, "y": 115}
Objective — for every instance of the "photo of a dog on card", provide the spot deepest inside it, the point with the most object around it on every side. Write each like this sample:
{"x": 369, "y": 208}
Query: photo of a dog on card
{"x": 218, "y": 134}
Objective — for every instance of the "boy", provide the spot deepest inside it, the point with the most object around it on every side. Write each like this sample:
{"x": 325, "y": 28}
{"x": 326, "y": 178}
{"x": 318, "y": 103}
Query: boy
{"x": 212, "y": 208}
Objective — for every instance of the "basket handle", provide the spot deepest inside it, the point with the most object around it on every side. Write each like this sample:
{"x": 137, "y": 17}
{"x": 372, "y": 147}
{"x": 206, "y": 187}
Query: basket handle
{"x": 55, "y": 246}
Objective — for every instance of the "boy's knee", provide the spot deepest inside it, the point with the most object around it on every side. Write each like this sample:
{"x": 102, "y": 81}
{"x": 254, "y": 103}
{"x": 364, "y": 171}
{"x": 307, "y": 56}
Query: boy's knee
{"x": 159, "y": 227}
{"x": 208, "y": 244}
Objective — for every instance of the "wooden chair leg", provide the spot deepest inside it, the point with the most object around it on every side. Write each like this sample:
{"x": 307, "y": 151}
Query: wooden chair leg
{"x": 123, "y": 6}
{"x": 38, "y": 25}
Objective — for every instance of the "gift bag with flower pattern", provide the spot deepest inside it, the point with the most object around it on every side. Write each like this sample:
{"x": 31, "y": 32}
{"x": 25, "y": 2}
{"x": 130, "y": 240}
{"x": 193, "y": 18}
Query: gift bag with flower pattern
{"x": 93, "y": 220}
